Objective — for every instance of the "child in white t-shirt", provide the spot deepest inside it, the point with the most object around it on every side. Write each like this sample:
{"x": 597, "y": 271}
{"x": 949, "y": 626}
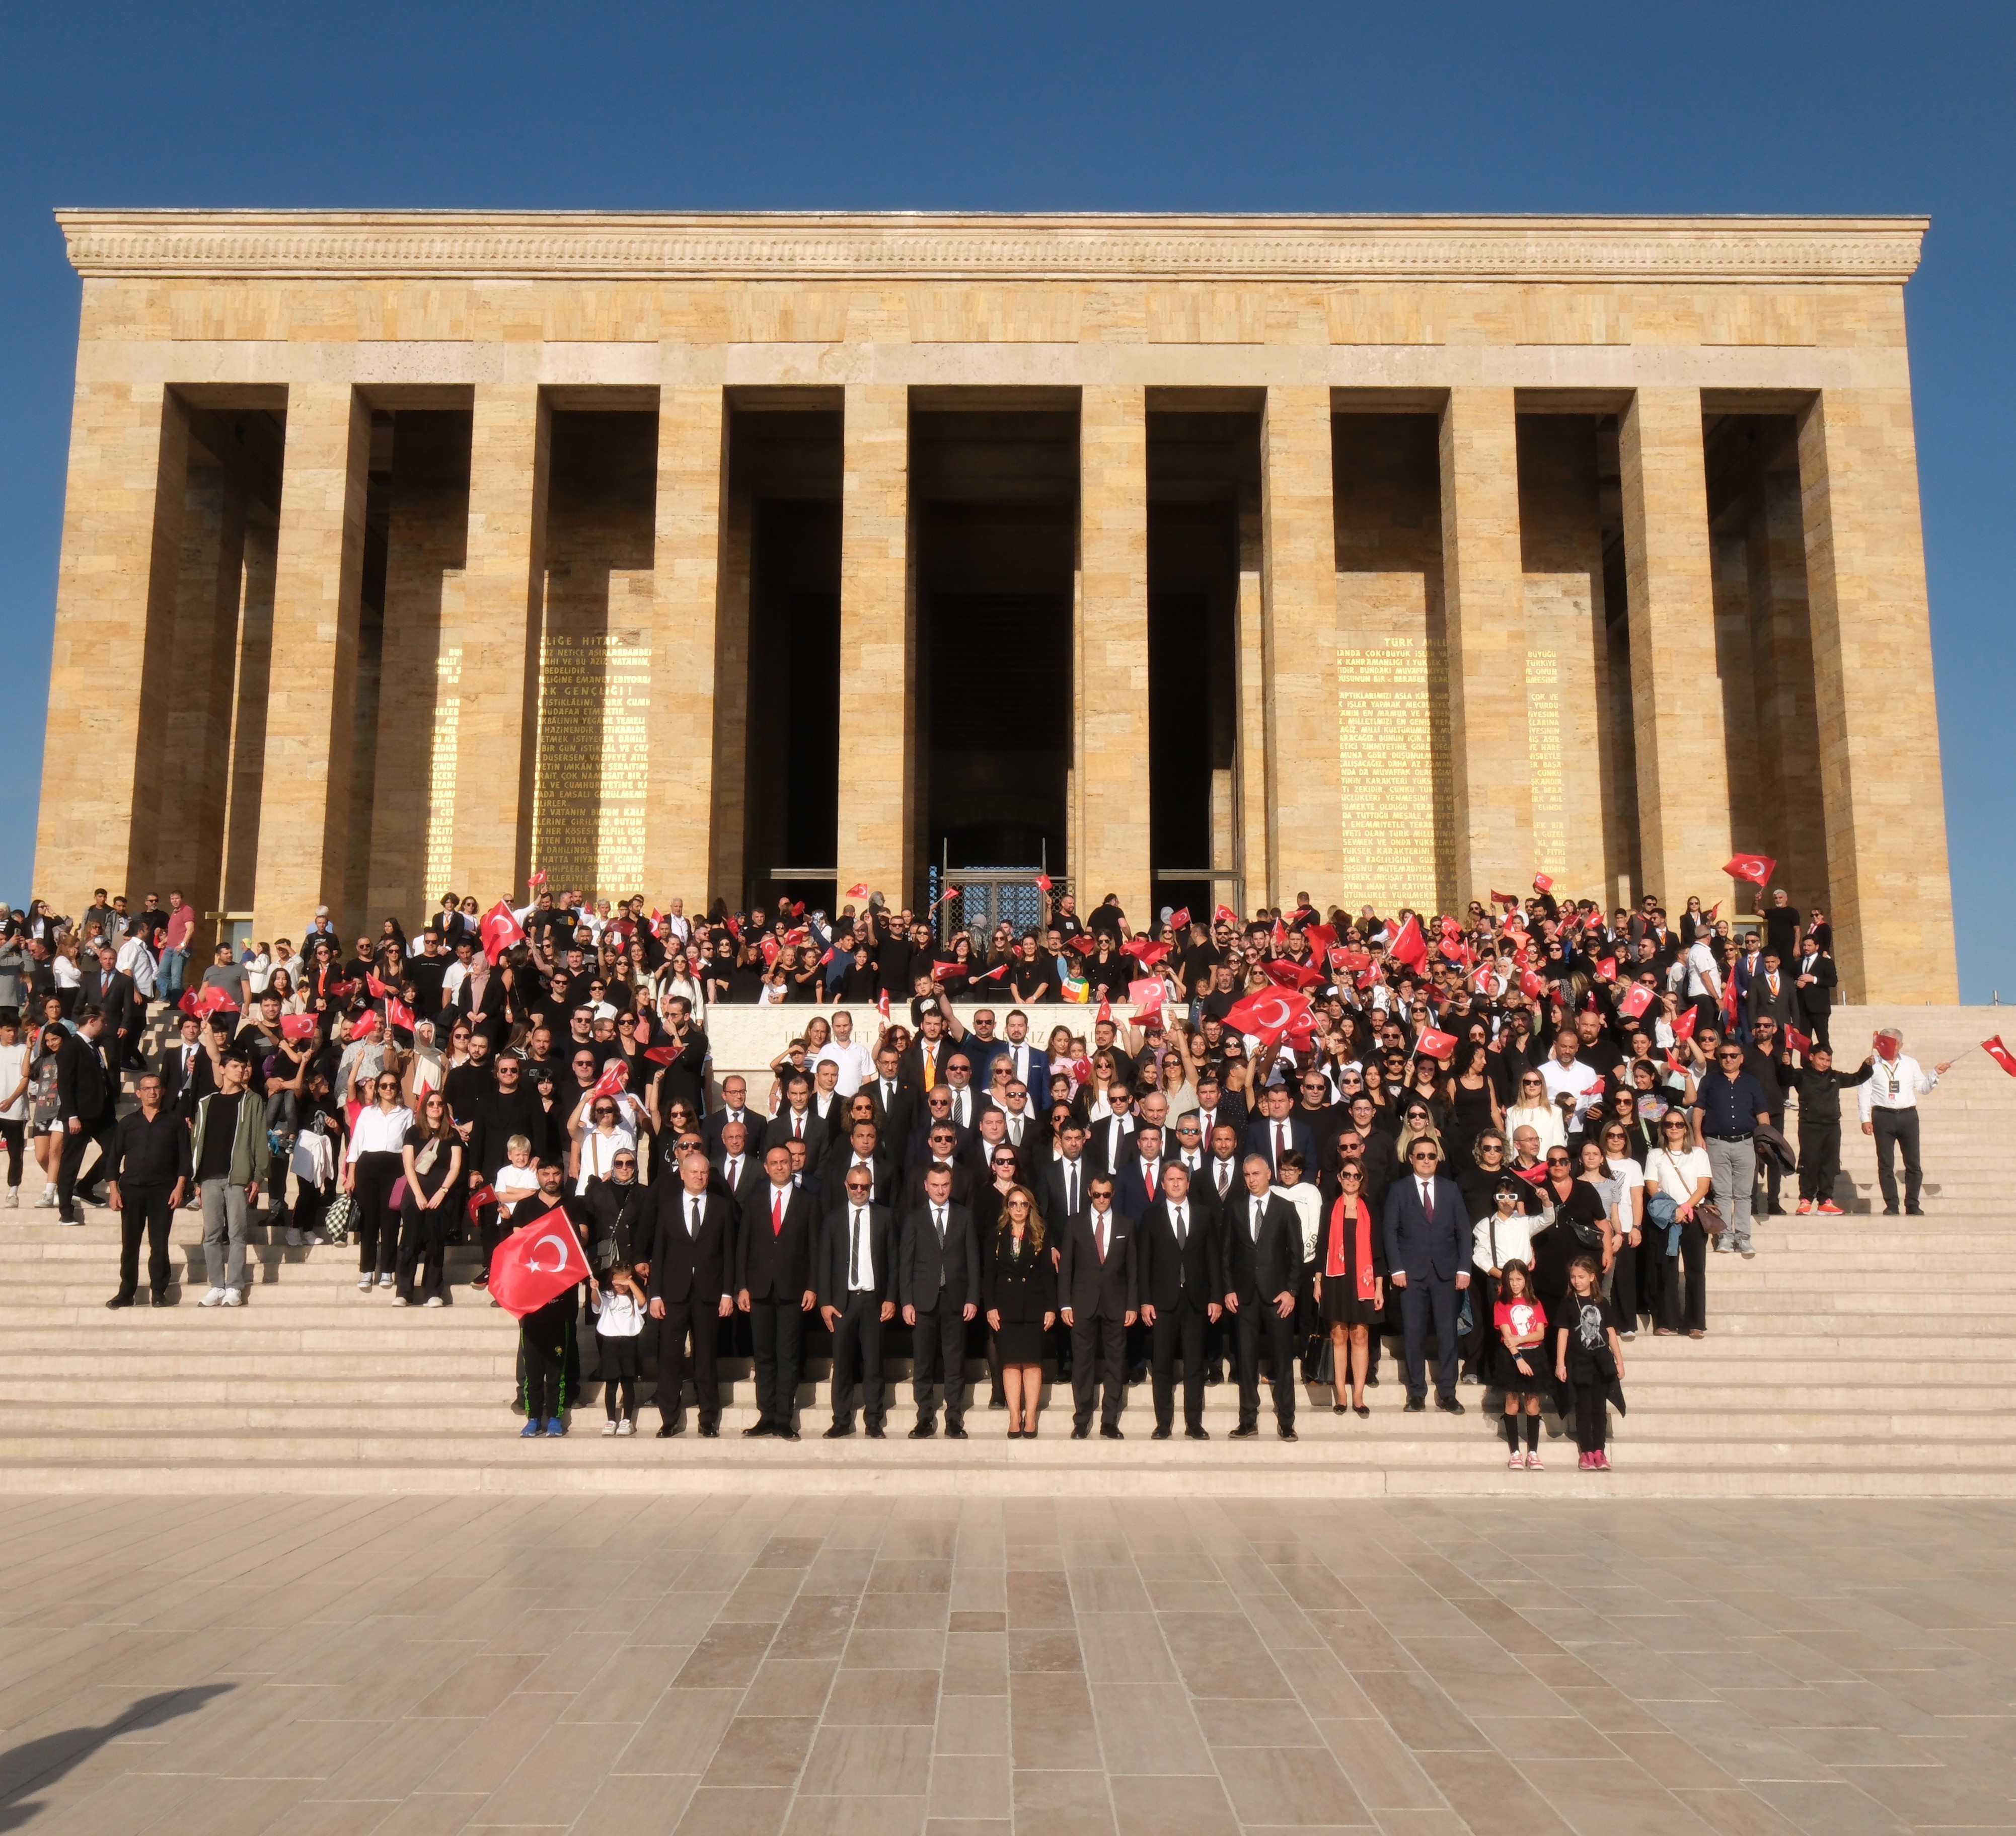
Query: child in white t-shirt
{"x": 619, "y": 1310}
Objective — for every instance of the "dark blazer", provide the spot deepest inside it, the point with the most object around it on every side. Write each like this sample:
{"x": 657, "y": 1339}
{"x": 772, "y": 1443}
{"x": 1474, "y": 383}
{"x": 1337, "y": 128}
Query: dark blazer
{"x": 1418, "y": 1249}
{"x": 1096, "y": 1152}
{"x": 833, "y": 1178}
{"x": 621, "y": 1215}
{"x": 181, "y": 1094}
{"x": 1022, "y": 1289}
{"x": 115, "y": 993}
{"x": 712, "y": 1124}
{"x": 912, "y": 1195}
{"x": 921, "y": 1260}
{"x": 1091, "y": 1289}
{"x": 778, "y": 1133}
{"x": 742, "y": 1193}
{"x": 685, "y": 1267}
{"x": 829, "y": 1270}
{"x": 1165, "y": 1273}
{"x": 1130, "y": 1194}
{"x": 774, "y": 1266}
{"x": 1050, "y": 1194}
{"x": 86, "y": 1086}
{"x": 1256, "y": 1271}
{"x": 1817, "y": 999}
{"x": 910, "y": 1068}
{"x": 1761, "y": 1000}
{"x": 893, "y": 1120}
{"x": 1259, "y": 1139}
{"x": 1231, "y": 1108}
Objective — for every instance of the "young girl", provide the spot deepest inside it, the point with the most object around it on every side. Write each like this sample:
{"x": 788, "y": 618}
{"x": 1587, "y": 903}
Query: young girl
{"x": 1588, "y": 1358}
{"x": 619, "y": 1327}
{"x": 14, "y": 1075}
{"x": 1520, "y": 1367}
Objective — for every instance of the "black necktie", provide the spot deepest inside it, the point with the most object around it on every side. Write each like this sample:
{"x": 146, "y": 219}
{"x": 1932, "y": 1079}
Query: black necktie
{"x": 693, "y": 1219}
{"x": 1071, "y": 1187}
{"x": 853, "y": 1273}
{"x": 1182, "y": 1235}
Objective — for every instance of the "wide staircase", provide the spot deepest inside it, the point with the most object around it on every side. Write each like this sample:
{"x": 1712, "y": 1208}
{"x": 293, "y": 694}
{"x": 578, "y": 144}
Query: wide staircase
{"x": 1859, "y": 1356}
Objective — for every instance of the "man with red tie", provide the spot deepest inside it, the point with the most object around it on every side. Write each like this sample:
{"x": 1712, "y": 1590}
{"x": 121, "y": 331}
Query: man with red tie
{"x": 774, "y": 1288}
{"x": 797, "y": 1121}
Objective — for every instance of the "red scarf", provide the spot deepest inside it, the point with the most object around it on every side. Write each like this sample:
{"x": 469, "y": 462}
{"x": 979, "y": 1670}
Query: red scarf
{"x": 1334, "y": 1267}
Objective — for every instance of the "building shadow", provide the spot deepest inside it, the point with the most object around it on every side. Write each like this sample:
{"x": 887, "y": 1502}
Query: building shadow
{"x": 37, "y": 1764}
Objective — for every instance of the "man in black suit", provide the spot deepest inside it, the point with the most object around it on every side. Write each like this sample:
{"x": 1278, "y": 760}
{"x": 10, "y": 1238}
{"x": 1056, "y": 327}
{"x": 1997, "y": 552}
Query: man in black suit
{"x": 1277, "y": 1130}
{"x": 734, "y": 1108}
{"x": 856, "y": 1279}
{"x": 1813, "y": 980}
{"x": 1137, "y": 1180}
{"x": 109, "y": 988}
{"x": 797, "y": 1121}
{"x": 693, "y": 1247}
{"x": 773, "y": 1247}
{"x": 1182, "y": 1275}
{"x": 1263, "y": 1271}
{"x": 936, "y": 1113}
{"x": 938, "y": 1033}
{"x": 1770, "y": 991}
{"x": 1428, "y": 1255}
{"x": 738, "y": 1174}
{"x": 1062, "y": 1188}
{"x": 895, "y": 1103}
{"x": 1097, "y": 1285}
{"x": 1215, "y": 1107}
{"x": 862, "y": 1149}
{"x": 88, "y": 1105}
{"x": 188, "y": 1071}
{"x": 938, "y": 1279}
{"x": 941, "y": 1155}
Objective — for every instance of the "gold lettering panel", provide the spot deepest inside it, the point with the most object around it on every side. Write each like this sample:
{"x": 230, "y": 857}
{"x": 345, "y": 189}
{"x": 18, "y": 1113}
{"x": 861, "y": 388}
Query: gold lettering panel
{"x": 442, "y": 772}
{"x": 1392, "y": 712}
{"x": 1543, "y": 762}
{"x": 588, "y": 809}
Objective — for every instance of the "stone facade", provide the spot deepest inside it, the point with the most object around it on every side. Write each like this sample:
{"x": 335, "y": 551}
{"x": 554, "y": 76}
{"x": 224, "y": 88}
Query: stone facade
{"x": 1614, "y": 522}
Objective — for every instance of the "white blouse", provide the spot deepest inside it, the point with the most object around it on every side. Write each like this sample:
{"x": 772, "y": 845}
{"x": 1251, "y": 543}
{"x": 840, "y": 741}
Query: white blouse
{"x": 379, "y": 1130}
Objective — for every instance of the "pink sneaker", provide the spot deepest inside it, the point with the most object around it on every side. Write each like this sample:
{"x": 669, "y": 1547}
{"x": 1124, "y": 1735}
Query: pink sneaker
{"x": 1533, "y": 1463}
{"x": 1587, "y": 1463}
{"x": 1602, "y": 1461}
{"x": 1517, "y": 1463}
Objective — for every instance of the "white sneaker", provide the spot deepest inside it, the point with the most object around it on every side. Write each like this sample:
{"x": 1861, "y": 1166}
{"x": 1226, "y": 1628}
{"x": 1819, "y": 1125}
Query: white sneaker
{"x": 294, "y": 1238}
{"x": 233, "y": 1297}
{"x": 434, "y": 1301}
{"x": 47, "y": 1201}
{"x": 13, "y": 1198}
{"x": 626, "y": 1427}
{"x": 364, "y": 1281}
{"x": 213, "y": 1298}
{"x": 387, "y": 1281}
{"x": 609, "y": 1427}
{"x": 401, "y": 1301}
{"x": 313, "y": 1239}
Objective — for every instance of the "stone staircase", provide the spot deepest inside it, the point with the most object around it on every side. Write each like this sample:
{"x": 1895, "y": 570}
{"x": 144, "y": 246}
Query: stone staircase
{"x": 1856, "y": 1357}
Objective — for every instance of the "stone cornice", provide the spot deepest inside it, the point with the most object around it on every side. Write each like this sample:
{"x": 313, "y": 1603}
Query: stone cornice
{"x": 600, "y": 245}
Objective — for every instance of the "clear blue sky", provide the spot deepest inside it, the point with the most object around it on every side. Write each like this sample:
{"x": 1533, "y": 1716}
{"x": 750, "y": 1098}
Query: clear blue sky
{"x": 1718, "y": 107}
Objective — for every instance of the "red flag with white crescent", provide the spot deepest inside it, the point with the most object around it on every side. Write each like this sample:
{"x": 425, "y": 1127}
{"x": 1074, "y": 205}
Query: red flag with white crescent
{"x": 1797, "y": 1041}
{"x": 1635, "y": 1002}
{"x": 297, "y": 1026}
{"x": 398, "y": 1013}
{"x": 2000, "y": 1053}
{"x": 482, "y": 1195}
{"x": 858, "y": 890}
{"x": 1434, "y": 1045}
{"x": 1542, "y": 883}
{"x": 1042, "y": 883}
{"x": 499, "y": 931}
{"x": 378, "y": 989}
{"x": 1267, "y": 1013}
{"x": 1180, "y": 918}
{"x": 1224, "y": 915}
{"x": 1683, "y": 1024}
{"x": 1409, "y": 947}
{"x": 537, "y": 1263}
{"x": 615, "y": 1079}
{"x": 1285, "y": 973}
{"x": 538, "y": 879}
{"x": 1756, "y": 868}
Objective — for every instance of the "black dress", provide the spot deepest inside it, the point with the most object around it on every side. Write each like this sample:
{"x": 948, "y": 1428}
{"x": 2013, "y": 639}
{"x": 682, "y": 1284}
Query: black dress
{"x": 1342, "y": 1305}
{"x": 1020, "y": 1282}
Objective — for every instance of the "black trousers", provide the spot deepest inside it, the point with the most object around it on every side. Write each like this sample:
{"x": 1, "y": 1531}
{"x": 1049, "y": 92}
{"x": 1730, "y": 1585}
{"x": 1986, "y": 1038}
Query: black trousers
{"x": 1257, "y": 1319}
{"x": 937, "y": 1347}
{"x": 777, "y": 1330}
{"x": 1895, "y": 1129}
{"x": 857, "y": 1335}
{"x": 146, "y": 1210}
{"x": 1096, "y": 1339}
{"x": 1684, "y": 1311}
{"x": 1179, "y": 1328}
{"x": 702, "y": 1319}
{"x": 99, "y": 1130}
{"x": 423, "y": 1247}
{"x": 1623, "y": 1288}
{"x": 1819, "y": 1159}
{"x": 545, "y": 1340}
{"x": 1419, "y": 1299}
{"x": 1477, "y": 1342}
{"x": 1592, "y": 1412}
{"x": 1768, "y": 1172}
{"x": 377, "y": 1223}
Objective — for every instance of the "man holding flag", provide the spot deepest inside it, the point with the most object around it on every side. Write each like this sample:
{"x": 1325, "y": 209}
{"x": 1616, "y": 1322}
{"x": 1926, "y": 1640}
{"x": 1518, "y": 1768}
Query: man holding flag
{"x": 1889, "y": 1104}
{"x": 536, "y": 1274}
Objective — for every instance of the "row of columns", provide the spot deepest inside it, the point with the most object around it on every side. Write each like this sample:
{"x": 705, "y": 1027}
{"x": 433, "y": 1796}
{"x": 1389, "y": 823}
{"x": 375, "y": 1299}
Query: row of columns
{"x": 115, "y": 771}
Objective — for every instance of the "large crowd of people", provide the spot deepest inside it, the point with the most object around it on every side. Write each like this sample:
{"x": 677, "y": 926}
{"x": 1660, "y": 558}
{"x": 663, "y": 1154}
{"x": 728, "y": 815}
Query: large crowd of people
{"x": 1510, "y": 1138}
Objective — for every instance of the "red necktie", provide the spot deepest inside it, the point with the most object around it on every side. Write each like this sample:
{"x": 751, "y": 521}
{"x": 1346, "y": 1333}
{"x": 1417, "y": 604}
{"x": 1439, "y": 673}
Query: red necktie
{"x": 777, "y": 1211}
{"x": 797, "y": 1126}
{"x": 1101, "y": 1237}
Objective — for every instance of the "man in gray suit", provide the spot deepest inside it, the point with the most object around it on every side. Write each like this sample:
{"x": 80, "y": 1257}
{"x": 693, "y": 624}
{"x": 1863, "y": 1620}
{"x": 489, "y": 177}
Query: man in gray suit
{"x": 1427, "y": 1251}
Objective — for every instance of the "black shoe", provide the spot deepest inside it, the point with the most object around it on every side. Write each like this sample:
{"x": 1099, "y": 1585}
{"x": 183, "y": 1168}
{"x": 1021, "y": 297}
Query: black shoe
{"x": 875, "y": 1431}
{"x": 1213, "y": 1378}
{"x": 1138, "y": 1375}
{"x": 758, "y": 1432}
{"x": 1415, "y": 1406}
{"x": 1081, "y": 1432}
{"x": 668, "y": 1430}
{"x": 119, "y": 1301}
{"x": 1360, "y": 1410}
{"x": 997, "y": 1402}
{"x": 923, "y": 1430}
{"x": 166, "y": 1297}
{"x": 1288, "y": 1434}
{"x": 1111, "y": 1431}
{"x": 1245, "y": 1432}
{"x": 710, "y": 1430}
{"x": 1372, "y": 1382}
{"x": 1014, "y": 1433}
{"x": 954, "y": 1431}
{"x": 785, "y": 1434}
{"x": 1448, "y": 1405}
{"x": 1197, "y": 1434}
{"x": 839, "y": 1432}
{"x": 1161, "y": 1433}
{"x": 1914, "y": 1210}
{"x": 1889, "y": 1210}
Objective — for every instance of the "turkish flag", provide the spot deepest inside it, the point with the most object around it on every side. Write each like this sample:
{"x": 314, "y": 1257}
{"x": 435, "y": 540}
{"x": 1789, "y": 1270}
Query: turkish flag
{"x": 798, "y": 910}
{"x": 1504, "y": 898}
{"x": 1083, "y": 946}
{"x": 944, "y": 971}
{"x": 1081, "y": 1070}
{"x": 656, "y": 919}
{"x": 499, "y": 931}
{"x": 1797, "y": 1041}
{"x": 1607, "y": 969}
{"x": 1042, "y": 883}
{"x": 1356, "y": 961}
{"x": 772, "y": 949}
{"x": 398, "y": 1013}
{"x": 1542, "y": 883}
{"x": 536, "y": 1264}
{"x": 1148, "y": 954}
{"x": 827, "y": 958}
{"x": 1285, "y": 974}
{"x": 662, "y": 1054}
{"x": 1533, "y": 1175}
{"x": 951, "y": 892}
{"x": 1635, "y": 1002}
{"x": 734, "y": 926}
{"x": 297, "y": 1026}
{"x": 538, "y": 879}
{"x": 1105, "y": 1010}
{"x": 882, "y": 1004}
{"x": 858, "y": 890}
{"x": 377, "y": 987}
{"x": 1178, "y": 919}
{"x": 1752, "y": 867}
{"x": 1409, "y": 947}
{"x": 1224, "y": 915}
{"x": 1434, "y": 1044}
{"x": 1684, "y": 1027}
{"x": 1320, "y": 937}
{"x": 1147, "y": 993}
{"x": 482, "y": 1195}
{"x": 994, "y": 974}
{"x": 213, "y": 1000}
{"x": 615, "y": 1079}
{"x": 1268, "y": 1013}
{"x": 2000, "y": 1053}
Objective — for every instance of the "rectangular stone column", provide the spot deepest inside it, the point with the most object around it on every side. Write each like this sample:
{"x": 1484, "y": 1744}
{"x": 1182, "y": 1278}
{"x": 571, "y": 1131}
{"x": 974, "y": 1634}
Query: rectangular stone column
{"x": 1676, "y": 691}
{"x": 728, "y": 839}
{"x": 1299, "y": 588}
{"x": 311, "y": 699}
{"x": 1891, "y": 899}
{"x": 248, "y": 719}
{"x": 1254, "y": 801}
{"x": 1115, "y": 853}
{"x": 109, "y": 676}
{"x": 876, "y": 794}
{"x": 1484, "y": 617}
{"x": 686, "y": 590}
{"x": 503, "y": 598}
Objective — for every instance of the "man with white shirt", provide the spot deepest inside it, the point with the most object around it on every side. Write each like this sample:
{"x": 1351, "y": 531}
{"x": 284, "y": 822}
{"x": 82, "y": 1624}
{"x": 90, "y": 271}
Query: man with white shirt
{"x": 1889, "y": 1105}
{"x": 856, "y": 1062}
{"x": 734, "y": 1108}
{"x": 1031, "y": 1065}
{"x": 1566, "y": 1075}
{"x": 1703, "y": 979}
{"x": 966, "y": 1101}
{"x": 856, "y": 1278}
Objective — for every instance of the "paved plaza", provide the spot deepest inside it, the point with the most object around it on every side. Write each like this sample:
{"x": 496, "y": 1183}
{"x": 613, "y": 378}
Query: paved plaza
{"x": 747, "y": 1666}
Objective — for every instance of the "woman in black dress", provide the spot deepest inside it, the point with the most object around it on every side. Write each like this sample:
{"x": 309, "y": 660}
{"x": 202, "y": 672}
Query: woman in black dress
{"x": 433, "y": 1156}
{"x": 1351, "y": 1284}
{"x": 1018, "y": 1288}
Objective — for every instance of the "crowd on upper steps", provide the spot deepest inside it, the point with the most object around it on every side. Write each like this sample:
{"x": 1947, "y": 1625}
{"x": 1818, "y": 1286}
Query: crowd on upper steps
{"x": 1515, "y": 1134}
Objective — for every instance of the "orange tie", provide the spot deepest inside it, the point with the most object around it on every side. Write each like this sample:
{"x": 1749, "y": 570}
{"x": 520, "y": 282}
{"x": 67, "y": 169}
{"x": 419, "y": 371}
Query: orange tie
{"x": 930, "y": 1072}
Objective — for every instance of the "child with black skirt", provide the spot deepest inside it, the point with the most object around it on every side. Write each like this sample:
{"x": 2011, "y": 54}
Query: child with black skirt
{"x": 1519, "y": 1365}
{"x": 619, "y": 1329}
{"x": 1588, "y": 1361}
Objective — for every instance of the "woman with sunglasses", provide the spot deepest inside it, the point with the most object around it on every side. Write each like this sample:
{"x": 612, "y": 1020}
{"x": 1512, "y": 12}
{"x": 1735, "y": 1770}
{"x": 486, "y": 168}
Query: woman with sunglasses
{"x": 1350, "y": 1284}
{"x": 1531, "y": 1109}
{"x": 432, "y": 1157}
{"x": 374, "y": 1164}
{"x": 1018, "y": 1294}
{"x": 1575, "y": 1217}
{"x": 609, "y": 1132}
{"x": 1677, "y": 1178}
